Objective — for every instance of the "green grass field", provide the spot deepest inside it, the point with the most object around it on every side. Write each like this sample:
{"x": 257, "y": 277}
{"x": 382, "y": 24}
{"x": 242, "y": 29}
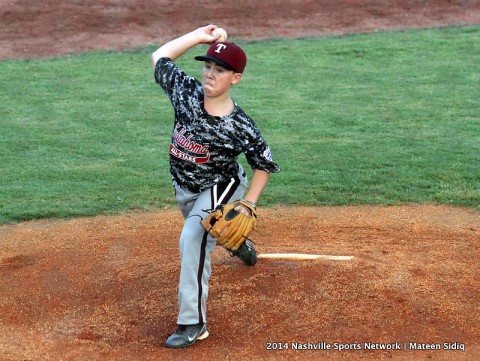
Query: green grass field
{"x": 385, "y": 118}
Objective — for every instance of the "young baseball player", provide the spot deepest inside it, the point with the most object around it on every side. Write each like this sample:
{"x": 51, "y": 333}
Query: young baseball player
{"x": 209, "y": 132}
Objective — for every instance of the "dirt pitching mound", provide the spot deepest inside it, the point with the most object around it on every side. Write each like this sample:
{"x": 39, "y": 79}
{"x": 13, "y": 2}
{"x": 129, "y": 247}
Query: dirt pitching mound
{"x": 104, "y": 288}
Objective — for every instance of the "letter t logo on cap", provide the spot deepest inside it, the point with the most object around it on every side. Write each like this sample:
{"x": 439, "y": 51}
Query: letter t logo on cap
{"x": 220, "y": 47}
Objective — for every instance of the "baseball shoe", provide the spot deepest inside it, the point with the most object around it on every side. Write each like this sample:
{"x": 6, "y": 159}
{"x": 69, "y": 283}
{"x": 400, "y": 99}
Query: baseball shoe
{"x": 186, "y": 335}
{"x": 246, "y": 252}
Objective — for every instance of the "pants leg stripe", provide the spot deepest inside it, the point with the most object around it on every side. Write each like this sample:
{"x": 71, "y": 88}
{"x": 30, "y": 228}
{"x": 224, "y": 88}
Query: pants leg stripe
{"x": 200, "y": 274}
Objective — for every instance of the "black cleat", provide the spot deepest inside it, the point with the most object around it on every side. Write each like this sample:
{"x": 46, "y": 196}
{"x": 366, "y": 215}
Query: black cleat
{"x": 246, "y": 252}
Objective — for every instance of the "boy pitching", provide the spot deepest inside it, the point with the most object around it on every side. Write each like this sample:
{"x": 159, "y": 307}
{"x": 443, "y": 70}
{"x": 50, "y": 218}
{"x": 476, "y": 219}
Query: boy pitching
{"x": 210, "y": 131}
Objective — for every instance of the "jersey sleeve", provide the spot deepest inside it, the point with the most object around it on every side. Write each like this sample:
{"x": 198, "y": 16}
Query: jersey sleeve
{"x": 173, "y": 80}
{"x": 257, "y": 152}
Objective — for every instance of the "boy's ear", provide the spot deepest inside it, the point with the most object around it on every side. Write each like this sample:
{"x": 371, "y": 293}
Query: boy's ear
{"x": 236, "y": 78}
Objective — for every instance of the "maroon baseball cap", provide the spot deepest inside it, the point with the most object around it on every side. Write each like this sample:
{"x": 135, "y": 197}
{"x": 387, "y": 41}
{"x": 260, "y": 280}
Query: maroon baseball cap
{"x": 228, "y": 55}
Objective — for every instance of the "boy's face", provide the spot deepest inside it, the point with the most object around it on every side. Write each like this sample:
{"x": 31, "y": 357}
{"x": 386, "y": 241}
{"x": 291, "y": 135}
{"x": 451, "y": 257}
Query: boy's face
{"x": 217, "y": 80}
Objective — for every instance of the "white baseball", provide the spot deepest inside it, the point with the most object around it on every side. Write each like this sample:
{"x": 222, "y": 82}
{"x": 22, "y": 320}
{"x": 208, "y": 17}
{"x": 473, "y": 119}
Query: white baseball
{"x": 223, "y": 34}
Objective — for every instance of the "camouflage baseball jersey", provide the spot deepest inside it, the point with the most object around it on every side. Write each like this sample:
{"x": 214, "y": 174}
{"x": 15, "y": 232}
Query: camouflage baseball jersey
{"x": 204, "y": 148}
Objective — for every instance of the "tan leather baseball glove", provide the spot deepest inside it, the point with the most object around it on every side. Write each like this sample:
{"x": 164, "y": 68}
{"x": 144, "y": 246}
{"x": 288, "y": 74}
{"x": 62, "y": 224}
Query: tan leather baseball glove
{"x": 230, "y": 227}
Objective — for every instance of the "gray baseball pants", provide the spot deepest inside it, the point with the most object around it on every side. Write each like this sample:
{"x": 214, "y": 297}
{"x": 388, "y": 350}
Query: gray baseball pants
{"x": 196, "y": 245}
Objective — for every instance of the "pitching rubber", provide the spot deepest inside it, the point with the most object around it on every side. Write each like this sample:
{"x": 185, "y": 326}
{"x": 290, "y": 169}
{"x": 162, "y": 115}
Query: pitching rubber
{"x": 301, "y": 256}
